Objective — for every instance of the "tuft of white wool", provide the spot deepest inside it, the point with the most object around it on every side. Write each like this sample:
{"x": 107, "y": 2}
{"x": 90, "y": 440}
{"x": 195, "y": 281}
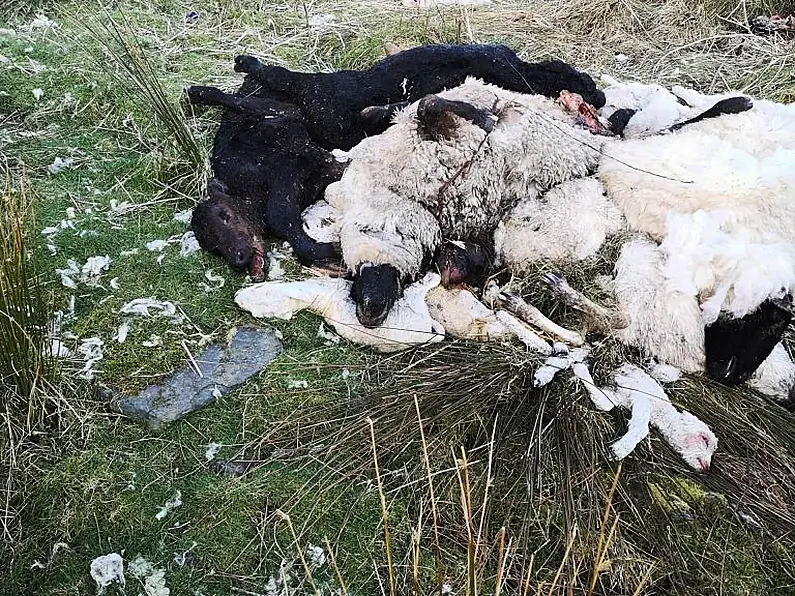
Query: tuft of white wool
{"x": 407, "y": 324}
{"x": 727, "y": 270}
{"x": 106, "y": 570}
{"x": 320, "y": 222}
{"x": 775, "y": 377}
{"x": 569, "y": 223}
{"x": 394, "y": 179}
{"x": 635, "y": 390}
{"x": 662, "y": 321}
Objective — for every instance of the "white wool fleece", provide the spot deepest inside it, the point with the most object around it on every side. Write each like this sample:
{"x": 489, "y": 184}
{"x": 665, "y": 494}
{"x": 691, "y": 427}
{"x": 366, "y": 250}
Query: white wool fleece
{"x": 534, "y": 146}
{"x": 656, "y": 107}
{"x": 569, "y": 223}
{"x": 662, "y": 322}
{"x": 740, "y": 162}
{"x": 385, "y": 230}
{"x": 726, "y": 271}
{"x": 775, "y": 377}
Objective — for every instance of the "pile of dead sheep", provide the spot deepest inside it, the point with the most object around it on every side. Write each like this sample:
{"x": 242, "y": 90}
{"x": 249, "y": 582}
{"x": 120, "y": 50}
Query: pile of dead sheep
{"x": 440, "y": 172}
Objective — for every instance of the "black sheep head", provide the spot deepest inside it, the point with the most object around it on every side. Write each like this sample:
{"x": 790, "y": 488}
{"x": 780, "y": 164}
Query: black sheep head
{"x": 375, "y": 290}
{"x": 736, "y": 347}
{"x": 224, "y": 227}
{"x": 462, "y": 262}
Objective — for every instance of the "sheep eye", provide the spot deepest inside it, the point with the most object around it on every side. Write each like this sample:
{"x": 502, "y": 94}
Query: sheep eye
{"x": 224, "y": 217}
{"x": 705, "y": 439}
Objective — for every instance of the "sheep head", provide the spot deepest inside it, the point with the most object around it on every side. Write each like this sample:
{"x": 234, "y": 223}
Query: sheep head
{"x": 736, "y": 347}
{"x": 375, "y": 290}
{"x": 462, "y": 262}
{"x": 222, "y": 229}
{"x": 692, "y": 439}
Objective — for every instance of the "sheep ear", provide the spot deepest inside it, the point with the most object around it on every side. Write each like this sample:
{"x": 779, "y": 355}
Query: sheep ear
{"x": 376, "y": 119}
{"x": 730, "y": 105}
{"x": 437, "y": 116}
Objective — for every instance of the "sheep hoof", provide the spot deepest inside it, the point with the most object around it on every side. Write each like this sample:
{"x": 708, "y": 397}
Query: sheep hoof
{"x": 619, "y": 451}
{"x": 246, "y": 64}
{"x": 555, "y": 282}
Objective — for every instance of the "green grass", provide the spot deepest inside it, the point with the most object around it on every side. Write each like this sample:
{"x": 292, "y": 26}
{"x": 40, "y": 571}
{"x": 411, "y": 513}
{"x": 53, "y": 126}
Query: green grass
{"x": 97, "y": 483}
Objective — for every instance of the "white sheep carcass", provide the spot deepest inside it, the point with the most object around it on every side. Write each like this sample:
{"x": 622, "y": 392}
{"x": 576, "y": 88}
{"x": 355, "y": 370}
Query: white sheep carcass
{"x": 663, "y": 322}
{"x": 633, "y": 389}
{"x": 408, "y": 324}
{"x": 428, "y": 175}
{"x": 656, "y": 108}
{"x": 738, "y": 163}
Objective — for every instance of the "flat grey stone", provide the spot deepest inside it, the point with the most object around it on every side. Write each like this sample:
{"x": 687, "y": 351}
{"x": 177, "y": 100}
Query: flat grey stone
{"x": 222, "y": 368}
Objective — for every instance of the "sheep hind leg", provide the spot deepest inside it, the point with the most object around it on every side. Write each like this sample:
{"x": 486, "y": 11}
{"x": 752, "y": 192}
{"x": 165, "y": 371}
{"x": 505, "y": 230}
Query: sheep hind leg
{"x": 532, "y": 316}
{"x": 598, "y": 317}
{"x": 602, "y": 398}
{"x": 212, "y": 96}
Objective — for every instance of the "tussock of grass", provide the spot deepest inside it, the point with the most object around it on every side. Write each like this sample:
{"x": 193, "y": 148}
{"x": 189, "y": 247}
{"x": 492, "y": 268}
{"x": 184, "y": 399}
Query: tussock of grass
{"x": 538, "y": 466}
{"x": 31, "y": 402}
{"x": 140, "y": 78}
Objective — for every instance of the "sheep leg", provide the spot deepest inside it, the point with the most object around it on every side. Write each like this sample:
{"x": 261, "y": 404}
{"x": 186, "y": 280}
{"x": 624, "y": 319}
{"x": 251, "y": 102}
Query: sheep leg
{"x": 600, "y": 318}
{"x": 376, "y": 119}
{"x": 532, "y": 316}
{"x": 274, "y": 78}
{"x": 638, "y": 426}
{"x": 435, "y": 114}
{"x": 526, "y": 335}
{"x": 730, "y": 105}
{"x": 212, "y": 96}
{"x": 283, "y": 220}
{"x": 603, "y": 399}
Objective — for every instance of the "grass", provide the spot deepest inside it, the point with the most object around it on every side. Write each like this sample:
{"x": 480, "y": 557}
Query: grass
{"x": 523, "y": 509}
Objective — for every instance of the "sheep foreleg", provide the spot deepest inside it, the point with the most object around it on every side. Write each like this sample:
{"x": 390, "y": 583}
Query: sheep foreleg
{"x": 603, "y": 399}
{"x": 532, "y": 316}
{"x": 599, "y": 317}
{"x": 526, "y": 335}
{"x": 638, "y": 426}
